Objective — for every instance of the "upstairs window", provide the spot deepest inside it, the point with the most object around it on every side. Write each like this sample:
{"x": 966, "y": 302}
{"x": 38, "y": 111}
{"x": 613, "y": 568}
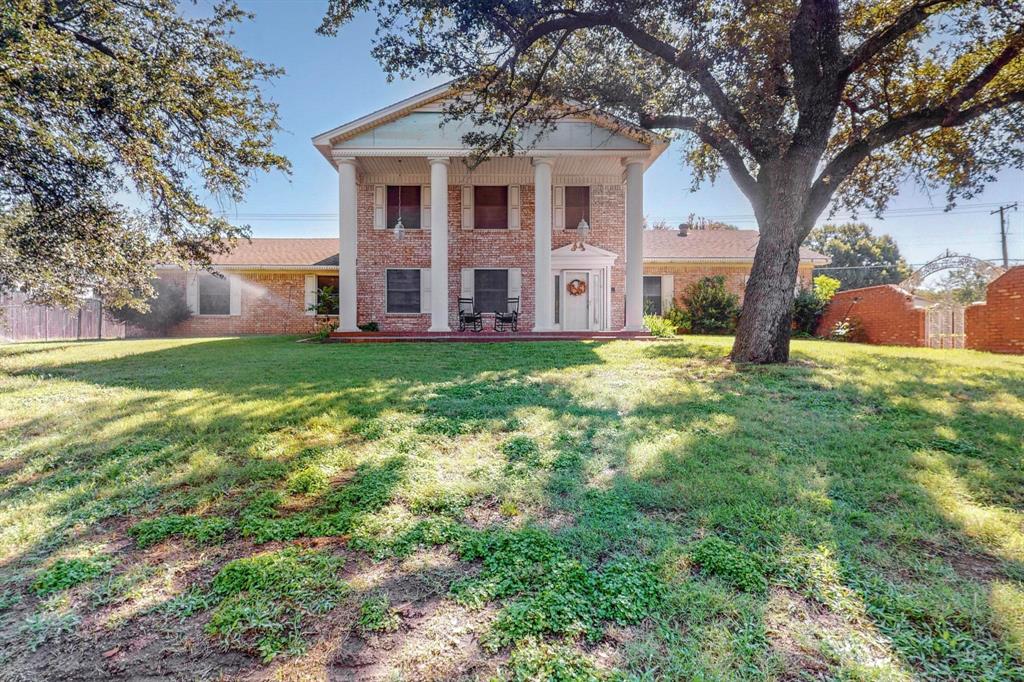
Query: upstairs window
{"x": 577, "y": 206}
{"x": 490, "y": 291}
{"x": 404, "y": 202}
{"x": 490, "y": 207}
{"x": 403, "y": 291}
{"x": 214, "y": 294}
{"x": 652, "y": 296}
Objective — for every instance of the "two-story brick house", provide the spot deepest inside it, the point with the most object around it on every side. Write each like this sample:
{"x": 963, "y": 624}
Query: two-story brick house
{"x": 420, "y": 229}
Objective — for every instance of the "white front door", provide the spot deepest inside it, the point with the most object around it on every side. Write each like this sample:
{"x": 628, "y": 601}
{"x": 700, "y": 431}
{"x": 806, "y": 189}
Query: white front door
{"x": 576, "y": 312}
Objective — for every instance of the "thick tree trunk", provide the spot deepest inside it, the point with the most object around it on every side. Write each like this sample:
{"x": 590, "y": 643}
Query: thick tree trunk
{"x": 762, "y": 335}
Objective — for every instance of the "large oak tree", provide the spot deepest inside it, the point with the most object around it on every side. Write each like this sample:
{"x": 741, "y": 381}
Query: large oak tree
{"x": 120, "y": 122}
{"x": 806, "y": 103}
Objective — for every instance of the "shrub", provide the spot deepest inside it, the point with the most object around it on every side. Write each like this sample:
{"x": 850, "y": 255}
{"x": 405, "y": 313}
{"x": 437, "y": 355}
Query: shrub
{"x": 166, "y": 308}
{"x": 809, "y": 303}
{"x": 369, "y": 327}
{"x": 659, "y": 326}
{"x": 848, "y": 329}
{"x": 713, "y": 309}
{"x": 679, "y": 318}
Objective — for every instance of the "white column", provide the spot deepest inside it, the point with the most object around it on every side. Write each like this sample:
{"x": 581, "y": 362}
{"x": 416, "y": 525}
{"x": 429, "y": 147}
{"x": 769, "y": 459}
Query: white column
{"x": 543, "y": 312}
{"x": 439, "y": 245}
{"x": 634, "y": 245}
{"x": 348, "y": 243}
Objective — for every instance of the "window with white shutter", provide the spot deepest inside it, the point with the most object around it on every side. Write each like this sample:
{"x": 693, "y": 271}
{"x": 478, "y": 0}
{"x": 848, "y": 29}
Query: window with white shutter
{"x": 402, "y": 290}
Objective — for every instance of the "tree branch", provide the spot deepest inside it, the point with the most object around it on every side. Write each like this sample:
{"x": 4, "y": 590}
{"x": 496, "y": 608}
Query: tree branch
{"x": 846, "y": 161}
{"x": 907, "y": 21}
{"x": 684, "y": 60}
{"x": 725, "y": 148}
{"x": 985, "y": 76}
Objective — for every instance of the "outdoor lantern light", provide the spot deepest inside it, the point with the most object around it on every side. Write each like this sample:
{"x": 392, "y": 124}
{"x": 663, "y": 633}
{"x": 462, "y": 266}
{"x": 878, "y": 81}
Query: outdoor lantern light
{"x": 399, "y": 229}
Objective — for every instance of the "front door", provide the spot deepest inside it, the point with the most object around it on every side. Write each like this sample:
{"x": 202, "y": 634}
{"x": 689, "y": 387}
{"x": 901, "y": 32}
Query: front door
{"x": 576, "y": 295}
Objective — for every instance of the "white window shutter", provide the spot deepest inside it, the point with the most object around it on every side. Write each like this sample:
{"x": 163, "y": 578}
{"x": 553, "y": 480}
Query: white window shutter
{"x": 558, "y": 206}
{"x": 468, "y": 286}
{"x": 467, "y": 207}
{"x": 513, "y": 207}
{"x": 424, "y": 290}
{"x": 380, "y": 193}
{"x": 668, "y": 295}
{"x": 235, "y": 294}
{"x": 310, "y": 297}
{"x": 425, "y": 207}
{"x": 192, "y": 291}
{"x": 515, "y": 284}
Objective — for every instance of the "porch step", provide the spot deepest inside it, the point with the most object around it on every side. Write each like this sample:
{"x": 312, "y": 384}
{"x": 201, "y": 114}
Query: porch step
{"x": 482, "y": 337}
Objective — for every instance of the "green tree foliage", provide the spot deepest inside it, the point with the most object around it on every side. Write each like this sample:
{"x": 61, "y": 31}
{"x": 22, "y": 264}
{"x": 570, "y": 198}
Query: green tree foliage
{"x": 962, "y": 286}
{"x": 164, "y": 309}
{"x": 810, "y": 303}
{"x": 859, "y": 257}
{"x": 806, "y": 103}
{"x": 106, "y": 99}
{"x": 713, "y": 308}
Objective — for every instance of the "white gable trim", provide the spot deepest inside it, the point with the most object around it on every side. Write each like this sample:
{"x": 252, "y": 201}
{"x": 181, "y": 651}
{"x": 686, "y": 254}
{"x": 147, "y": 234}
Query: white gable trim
{"x": 589, "y": 257}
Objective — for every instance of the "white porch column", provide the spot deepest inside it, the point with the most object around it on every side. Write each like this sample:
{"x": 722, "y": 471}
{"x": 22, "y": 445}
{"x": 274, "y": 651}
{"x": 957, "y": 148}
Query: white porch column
{"x": 439, "y": 244}
{"x": 348, "y": 243}
{"x": 634, "y": 245}
{"x": 543, "y": 307}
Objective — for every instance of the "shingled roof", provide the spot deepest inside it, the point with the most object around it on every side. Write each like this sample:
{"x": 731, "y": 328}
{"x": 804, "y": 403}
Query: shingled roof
{"x": 730, "y": 245}
{"x": 712, "y": 245}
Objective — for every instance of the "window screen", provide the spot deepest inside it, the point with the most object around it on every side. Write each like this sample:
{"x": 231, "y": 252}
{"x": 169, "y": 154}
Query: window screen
{"x": 214, "y": 294}
{"x": 490, "y": 207}
{"x": 652, "y": 295}
{"x": 490, "y": 291}
{"x": 404, "y": 201}
{"x": 577, "y": 206}
{"x": 403, "y": 294}
{"x": 332, "y": 282}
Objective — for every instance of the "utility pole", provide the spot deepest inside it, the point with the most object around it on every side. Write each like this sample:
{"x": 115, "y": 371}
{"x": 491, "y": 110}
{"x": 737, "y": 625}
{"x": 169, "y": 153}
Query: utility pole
{"x": 1002, "y": 229}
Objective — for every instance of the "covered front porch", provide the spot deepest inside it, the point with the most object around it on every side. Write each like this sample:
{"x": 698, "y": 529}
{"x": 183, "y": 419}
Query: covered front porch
{"x": 486, "y": 336}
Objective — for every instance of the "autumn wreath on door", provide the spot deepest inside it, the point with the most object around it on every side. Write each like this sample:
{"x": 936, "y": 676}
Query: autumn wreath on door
{"x": 576, "y": 287}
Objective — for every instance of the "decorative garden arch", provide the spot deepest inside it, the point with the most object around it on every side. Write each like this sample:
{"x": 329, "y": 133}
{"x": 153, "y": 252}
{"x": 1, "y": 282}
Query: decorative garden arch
{"x": 950, "y": 261}
{"x": 944, "y": 320}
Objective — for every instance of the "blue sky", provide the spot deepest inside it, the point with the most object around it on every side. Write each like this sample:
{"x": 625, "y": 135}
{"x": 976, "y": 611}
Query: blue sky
{"x": 329, "y": 81}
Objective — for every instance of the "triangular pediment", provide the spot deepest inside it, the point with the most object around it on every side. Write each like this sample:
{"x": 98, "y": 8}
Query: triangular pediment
{"x": 582, "y": 255}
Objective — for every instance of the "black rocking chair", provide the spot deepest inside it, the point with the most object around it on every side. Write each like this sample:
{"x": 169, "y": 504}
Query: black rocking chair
{"x": 509, "y": 320}
{"x": 468, "y": 317}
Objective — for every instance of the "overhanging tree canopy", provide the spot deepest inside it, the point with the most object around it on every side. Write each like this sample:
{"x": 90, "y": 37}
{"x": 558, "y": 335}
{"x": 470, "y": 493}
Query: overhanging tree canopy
{"x": 119, "y": 121}
{"x": 803, "y": 102}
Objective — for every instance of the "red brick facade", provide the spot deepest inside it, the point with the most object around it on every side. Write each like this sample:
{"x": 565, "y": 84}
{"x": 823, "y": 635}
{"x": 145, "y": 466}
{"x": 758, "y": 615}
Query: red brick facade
{"x": 997, "y": 325}
{"x": 271, "y": 303}
{"x": 736, "y": 274}
{"x": 886, "y": 313}
{"x": 379, "y": 250}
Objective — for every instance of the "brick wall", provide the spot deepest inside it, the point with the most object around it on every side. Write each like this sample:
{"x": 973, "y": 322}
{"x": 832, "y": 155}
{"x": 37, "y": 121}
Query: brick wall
{"x": 271, "y": 303}
{"x": 997, "y": 325}
{"x": 684, "y": 274}
{"x": 886, "y": 313}
{"x": 378, "y": 251}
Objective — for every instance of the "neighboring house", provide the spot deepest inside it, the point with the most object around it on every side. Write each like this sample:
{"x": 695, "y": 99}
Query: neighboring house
{"x": 571, "y": 207}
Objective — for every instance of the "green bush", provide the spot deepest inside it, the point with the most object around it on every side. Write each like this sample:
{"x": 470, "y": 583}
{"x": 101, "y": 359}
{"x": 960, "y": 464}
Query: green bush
{"x": 679, "y": 318}
{"x": 713, "y": 309}
{"x": 809, "y": 303}
{"x": 166, "y": 308}
{"x": 848, "y": 329}
{"x": 659, "y": 326}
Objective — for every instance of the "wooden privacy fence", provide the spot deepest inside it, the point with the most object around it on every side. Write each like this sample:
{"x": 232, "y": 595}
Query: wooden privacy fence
{"x": 23, "y": 321}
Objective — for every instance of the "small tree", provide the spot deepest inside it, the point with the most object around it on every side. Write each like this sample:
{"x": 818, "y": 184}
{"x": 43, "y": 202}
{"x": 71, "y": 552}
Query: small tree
{"x": 713, "y": 308}
{"x": 165, "y": 309}
{"x": 810, "y": 303}
{"x": 326, "y": 306}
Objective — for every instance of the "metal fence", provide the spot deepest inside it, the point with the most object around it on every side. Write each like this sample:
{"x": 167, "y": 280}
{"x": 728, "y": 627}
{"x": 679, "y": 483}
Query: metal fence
{"x": 23, "y": 321}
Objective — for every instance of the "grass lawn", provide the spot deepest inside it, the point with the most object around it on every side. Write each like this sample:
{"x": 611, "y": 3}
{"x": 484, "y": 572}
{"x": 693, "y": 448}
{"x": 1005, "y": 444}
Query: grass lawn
{"x": 261, "y": 508}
